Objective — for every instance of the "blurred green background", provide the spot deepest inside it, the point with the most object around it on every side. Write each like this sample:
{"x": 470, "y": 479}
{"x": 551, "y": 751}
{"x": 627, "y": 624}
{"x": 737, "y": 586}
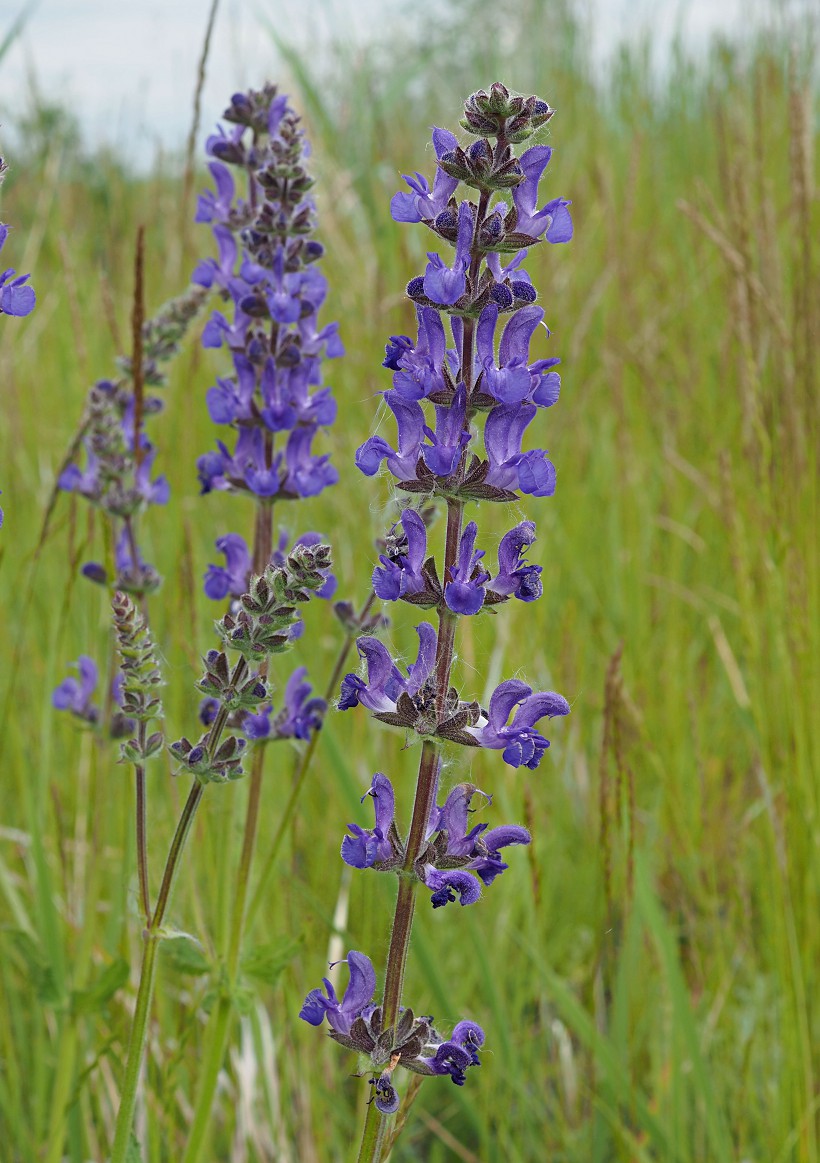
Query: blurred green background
{"x": 647, "y": 971}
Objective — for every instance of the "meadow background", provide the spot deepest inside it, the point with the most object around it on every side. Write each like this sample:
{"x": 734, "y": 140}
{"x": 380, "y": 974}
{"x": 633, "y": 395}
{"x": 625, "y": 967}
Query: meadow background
{"x": 647, "y": 971}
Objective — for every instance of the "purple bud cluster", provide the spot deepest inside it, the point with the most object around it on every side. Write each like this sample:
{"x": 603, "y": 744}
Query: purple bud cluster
{"x": 266, "y": 272}
{"x": 464, "y": 392}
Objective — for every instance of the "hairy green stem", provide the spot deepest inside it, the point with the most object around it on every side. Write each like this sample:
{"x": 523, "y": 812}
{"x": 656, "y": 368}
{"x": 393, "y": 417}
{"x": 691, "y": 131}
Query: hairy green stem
{"x": 373, "y": 1137}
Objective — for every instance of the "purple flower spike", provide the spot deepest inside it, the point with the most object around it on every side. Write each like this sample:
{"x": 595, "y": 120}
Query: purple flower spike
{"x": 464, "y": 593}
{"x": 400, "y": 573}
{"x": 75, "y": 695}
{"x": 420, "y": 204}
{"x": 233, "y": 578}
{"x": 366, "y": 847}
{"x": 522, "y": 745}
{"x": 443, "y": 284}
{"x": 515, "y": 575}
{"x": 358, "y": 995}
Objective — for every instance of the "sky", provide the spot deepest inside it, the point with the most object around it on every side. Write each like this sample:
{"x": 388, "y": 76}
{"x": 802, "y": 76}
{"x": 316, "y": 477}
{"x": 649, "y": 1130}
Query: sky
{"x": 127, "y": 67}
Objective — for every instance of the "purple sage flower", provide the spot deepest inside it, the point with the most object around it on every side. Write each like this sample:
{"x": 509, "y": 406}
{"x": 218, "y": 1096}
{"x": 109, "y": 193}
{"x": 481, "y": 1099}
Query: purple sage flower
{"x": 299, "y": 718}
{"x": 519, "y": 741}
{"x": 16, "y": 298}
{"x": 385, "y": 682}
{"x": 75, "y": 694}
{"x": 464, "y": 593}
{"x": 422, "y": 204}
{"x": 358, "y": 995}
{"x": 400, "y": 571}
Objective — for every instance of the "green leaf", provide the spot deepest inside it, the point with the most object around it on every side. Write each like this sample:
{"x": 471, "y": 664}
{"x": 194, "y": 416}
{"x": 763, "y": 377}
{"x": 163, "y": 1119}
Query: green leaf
{"x": 133, "y": 1152}
{"x": 96, "y": 996}
{"x": 184, "y": 955}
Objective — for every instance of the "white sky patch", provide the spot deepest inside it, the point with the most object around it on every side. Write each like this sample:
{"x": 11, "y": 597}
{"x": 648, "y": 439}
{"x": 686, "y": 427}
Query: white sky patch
{"x": 127, "y": 67}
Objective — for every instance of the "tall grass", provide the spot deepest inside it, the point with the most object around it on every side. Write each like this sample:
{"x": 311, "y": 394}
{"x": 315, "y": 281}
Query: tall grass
{"x": 648, "y": 978}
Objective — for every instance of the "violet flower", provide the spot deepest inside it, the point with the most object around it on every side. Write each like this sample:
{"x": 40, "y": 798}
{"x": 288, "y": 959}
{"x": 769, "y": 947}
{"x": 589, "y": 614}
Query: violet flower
{"x": 418, "y": 368}
{"x": 515, "y": 575}
{"x": 411, "y": 428}
{"x": 509, "y": 467}
{"x": 422, "y": 204}
{"x": 400, "y": 572}
{"x": 464, "y": 592}
{"x": 445, "y": 285}
{"x": 552, "y": 220}
{"x": 366, "y": 847}
{"x": 16, "y": 298}
{"x": 385, "y": 682}
{"x": 513, "y": 381}
{"x": 299, "y": 718}
{"x": 519, "y": 741}
{"x": 75, "y": 694}
{"x": 341, "y": 1015}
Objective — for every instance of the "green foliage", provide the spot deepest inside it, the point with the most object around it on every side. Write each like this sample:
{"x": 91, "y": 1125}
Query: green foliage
{"x": 647, "y": 972}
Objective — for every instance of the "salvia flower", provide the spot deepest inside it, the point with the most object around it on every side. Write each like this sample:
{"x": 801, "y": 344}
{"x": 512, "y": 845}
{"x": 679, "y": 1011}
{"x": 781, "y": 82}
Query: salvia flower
{"x": 414, "y": 1043}
{"x": 385, "y": 682}
{"x": 379, "y": 846}
{"x": 118, "y": 471}
{"x": 76, "y": 695}
{"x": 461, "y": 415}
{"x": 299, "y": 717}
{"x": 520, "y": 742}
{"x": 455, "y": 857}
{"x": 342, "y": 1014}
{"x": 16, "y": 297}
{"x": 265, "y": 270}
